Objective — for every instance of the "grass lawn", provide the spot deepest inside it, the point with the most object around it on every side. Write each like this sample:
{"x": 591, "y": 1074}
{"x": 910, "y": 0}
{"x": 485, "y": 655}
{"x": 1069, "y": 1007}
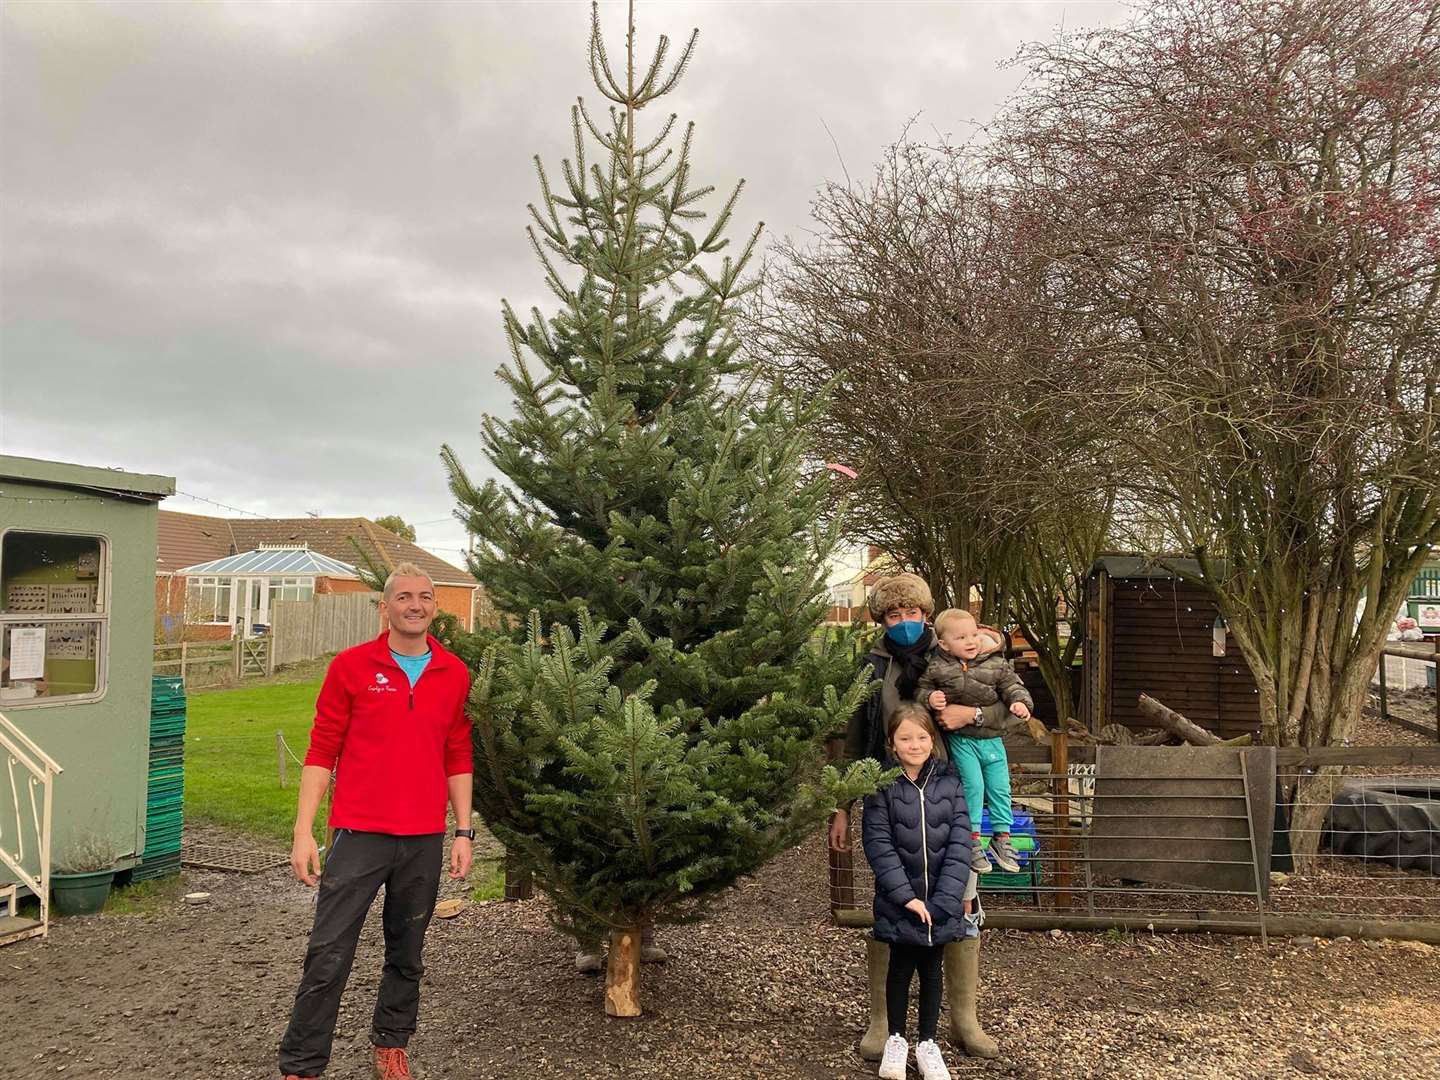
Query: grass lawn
{"x": 232, "y": 777}
{"x": 146, "y": 897}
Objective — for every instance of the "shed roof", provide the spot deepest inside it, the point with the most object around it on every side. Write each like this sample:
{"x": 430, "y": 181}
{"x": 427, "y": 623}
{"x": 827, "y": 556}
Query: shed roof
{"x": 275, "y": 560}
{"x": 116, "y": 482}
{"x": 1145, "y": 566}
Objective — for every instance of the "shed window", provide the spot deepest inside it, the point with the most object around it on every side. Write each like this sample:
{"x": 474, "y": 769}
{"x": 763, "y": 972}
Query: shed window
{"x": 54, "y": 618}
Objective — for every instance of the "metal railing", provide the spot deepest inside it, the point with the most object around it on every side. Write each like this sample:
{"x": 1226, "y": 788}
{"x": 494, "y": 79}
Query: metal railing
{"x": 38, "y": 772}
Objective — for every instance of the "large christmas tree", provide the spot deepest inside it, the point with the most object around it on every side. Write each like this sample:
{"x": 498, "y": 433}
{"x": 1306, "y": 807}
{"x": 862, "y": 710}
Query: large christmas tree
{"x": 654, "y": 732}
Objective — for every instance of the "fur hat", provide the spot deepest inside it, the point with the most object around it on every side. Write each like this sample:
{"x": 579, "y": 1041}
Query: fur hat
{"x": 900, "y": 591}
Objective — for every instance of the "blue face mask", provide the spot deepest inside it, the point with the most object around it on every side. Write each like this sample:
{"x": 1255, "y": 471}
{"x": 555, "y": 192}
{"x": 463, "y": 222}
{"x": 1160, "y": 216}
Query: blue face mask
{"x": 905, "y": 633}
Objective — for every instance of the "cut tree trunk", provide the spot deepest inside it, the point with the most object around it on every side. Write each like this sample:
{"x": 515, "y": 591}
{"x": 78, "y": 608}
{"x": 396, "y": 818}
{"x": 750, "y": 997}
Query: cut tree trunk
{"x": 1176, "y": 724}
{"x": 622, "y": 973}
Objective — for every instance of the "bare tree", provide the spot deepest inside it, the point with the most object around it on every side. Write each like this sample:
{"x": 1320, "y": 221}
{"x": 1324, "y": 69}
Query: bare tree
{"x": 874, "y": 311}
{"x": 929, "y": 320}
{"x": 1244, "y": 196}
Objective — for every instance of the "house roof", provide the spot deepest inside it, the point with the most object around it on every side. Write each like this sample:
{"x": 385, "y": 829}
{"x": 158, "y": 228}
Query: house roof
{"x": 275, "y": 560}
{"x": 151, "y": 488}
{"x": 188, "y": 539}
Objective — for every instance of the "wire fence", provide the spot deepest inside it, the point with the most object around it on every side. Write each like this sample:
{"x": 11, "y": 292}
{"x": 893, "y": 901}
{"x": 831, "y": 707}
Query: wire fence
{"x": 1244, "y": 841}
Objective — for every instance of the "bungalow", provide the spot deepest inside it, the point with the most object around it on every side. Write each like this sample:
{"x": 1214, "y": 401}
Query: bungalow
{"x": 215, "y": 574}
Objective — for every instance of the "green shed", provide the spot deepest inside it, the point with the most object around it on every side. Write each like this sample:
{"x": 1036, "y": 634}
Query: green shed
{"x": 77, "y": 615}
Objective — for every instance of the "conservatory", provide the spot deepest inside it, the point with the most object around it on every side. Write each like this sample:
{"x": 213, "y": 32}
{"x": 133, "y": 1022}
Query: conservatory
{"x": 239, "y": 590}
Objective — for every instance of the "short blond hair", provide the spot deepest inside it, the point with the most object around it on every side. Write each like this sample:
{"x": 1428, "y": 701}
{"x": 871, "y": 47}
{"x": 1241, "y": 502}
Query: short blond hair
{"x": 406, "y": 569}
{"x": 950, "y": 615}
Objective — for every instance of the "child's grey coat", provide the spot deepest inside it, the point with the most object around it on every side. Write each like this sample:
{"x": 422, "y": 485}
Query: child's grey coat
{"x": 983, "y": 681}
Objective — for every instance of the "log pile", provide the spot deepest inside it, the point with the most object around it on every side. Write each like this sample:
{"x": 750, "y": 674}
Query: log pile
{"x": 1171, "y": 729}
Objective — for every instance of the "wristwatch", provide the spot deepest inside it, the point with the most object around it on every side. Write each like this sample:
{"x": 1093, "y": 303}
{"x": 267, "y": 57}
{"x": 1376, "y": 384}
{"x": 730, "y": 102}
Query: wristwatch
{"x": 468, "y": 834}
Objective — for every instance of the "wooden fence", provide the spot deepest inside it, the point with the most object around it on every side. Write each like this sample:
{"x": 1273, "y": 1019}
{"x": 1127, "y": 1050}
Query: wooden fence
{"x": 1407, "y": 651}
{"x": 304, "y": 629}
{"x": 198, "y": 663}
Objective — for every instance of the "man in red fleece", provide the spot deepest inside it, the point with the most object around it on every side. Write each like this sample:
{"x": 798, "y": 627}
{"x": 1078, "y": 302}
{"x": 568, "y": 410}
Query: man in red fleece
{"x": 390, "y": 721}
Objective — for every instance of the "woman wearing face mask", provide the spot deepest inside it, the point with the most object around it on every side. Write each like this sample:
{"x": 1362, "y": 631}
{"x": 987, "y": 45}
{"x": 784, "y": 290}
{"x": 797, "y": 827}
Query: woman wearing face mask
{"x": 902, "y": 604}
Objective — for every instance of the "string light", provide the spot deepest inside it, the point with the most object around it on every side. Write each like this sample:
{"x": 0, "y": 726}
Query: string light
{"x": 222, "y": 506}
{"x": 33, "y": 499}
{"x": 28, "y": 499}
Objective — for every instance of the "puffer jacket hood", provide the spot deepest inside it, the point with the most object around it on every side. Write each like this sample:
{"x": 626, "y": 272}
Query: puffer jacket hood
{"x": 917, "y": 839}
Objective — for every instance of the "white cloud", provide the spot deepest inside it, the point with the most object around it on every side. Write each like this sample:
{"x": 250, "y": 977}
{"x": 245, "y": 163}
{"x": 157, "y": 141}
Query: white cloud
{"x": 261, "y": 247}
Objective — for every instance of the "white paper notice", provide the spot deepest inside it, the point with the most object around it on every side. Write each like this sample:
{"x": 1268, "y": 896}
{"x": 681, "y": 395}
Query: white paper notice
{"x": 27, "y": 652}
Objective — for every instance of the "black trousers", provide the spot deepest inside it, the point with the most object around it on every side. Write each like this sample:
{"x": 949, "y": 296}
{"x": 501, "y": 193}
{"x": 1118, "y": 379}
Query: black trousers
{"x": 905, "y": 961}
{"x": 357, "y": 866}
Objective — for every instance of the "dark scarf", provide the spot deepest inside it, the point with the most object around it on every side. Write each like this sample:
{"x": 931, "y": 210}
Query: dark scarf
{"x": 911, "y": 659}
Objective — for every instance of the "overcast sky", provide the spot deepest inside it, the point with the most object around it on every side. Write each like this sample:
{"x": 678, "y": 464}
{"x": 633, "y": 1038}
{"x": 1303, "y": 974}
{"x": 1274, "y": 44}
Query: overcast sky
{"x": 261, "y": 247}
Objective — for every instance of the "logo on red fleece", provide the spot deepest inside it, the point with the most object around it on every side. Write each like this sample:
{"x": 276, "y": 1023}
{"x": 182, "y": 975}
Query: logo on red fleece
{"x": 382, "y": 684}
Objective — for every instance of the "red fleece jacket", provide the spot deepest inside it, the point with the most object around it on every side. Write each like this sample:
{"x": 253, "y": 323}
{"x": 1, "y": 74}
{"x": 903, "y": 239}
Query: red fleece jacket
{"x": 392, "y": 746}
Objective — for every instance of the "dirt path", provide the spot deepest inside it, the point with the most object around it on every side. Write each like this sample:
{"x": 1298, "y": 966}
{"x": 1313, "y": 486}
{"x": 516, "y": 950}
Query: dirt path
{"x": 766, "y": 988}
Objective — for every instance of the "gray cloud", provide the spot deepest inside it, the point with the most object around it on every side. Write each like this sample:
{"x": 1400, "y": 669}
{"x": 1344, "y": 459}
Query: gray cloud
{"x": 261, "y": 247}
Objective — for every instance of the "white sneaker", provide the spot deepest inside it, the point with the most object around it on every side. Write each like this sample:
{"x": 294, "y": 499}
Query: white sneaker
{"x": 931, "y": 1061}
{"x": 897, "y": 1052}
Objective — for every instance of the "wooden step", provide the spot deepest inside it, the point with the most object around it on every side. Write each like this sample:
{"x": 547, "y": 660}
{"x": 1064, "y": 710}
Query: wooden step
{"x": 13, "y": 929}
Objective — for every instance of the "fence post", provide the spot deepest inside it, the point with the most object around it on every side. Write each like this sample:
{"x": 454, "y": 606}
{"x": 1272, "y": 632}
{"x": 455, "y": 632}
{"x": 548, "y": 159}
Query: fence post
{"x": 1384, "y": 691}
{"x": 280, "y": 754}
{"x": 1060, "y": 768}
{"x": 842, "y": 863}
{"x": 184, "y": 656}
{"x": 1435, "y": 663}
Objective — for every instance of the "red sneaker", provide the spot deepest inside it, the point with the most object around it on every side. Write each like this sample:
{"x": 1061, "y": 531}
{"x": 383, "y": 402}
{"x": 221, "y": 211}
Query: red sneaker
{"x": 392, "y": 1063}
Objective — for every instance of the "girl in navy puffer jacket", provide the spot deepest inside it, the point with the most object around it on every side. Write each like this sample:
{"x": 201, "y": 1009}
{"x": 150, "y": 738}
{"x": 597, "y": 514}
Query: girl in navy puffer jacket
{"x": 917, "y": 839}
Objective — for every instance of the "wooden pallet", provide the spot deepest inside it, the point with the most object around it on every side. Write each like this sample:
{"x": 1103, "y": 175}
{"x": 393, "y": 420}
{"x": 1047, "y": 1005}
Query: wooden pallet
{"x": 13, "y": 929}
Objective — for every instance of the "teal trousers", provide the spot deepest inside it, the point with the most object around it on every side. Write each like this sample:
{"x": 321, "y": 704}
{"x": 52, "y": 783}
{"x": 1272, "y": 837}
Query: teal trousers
{"x": 985, "y": 773}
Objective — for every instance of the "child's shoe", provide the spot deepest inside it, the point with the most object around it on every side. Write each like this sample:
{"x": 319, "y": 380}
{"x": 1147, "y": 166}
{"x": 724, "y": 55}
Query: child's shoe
{"x": 930, "y": 1061}
{"x": 897, "y": 1052}
{"x": 978, "y": 862}
{"x": 1003, "y": 855}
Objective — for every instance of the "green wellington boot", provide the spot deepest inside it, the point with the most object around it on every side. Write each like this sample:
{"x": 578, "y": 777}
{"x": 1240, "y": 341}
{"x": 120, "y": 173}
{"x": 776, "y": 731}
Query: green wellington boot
{"x": 650, "y": 951}
{"x": 962, "y": 990}
{"x": 877, "y": 959}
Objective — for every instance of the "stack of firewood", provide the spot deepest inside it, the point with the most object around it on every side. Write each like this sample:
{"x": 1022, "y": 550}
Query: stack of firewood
{"x": 1171, "y": 729}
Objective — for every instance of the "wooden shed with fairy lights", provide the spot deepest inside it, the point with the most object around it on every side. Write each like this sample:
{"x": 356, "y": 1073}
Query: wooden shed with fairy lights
{"x": 1149, "y": 629}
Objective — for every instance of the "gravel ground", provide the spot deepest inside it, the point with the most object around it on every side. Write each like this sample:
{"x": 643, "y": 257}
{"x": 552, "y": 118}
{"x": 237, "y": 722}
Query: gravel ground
{"x": 765, "y": 988}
